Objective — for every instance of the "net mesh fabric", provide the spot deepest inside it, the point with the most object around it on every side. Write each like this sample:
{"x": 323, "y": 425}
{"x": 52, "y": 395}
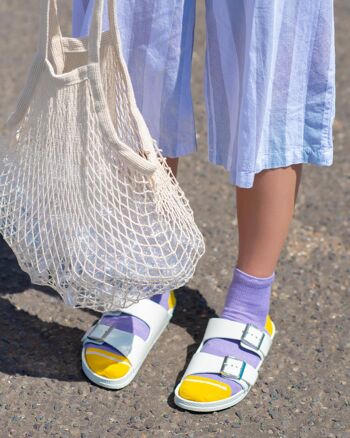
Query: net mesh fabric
{"x": 77, "y": 215}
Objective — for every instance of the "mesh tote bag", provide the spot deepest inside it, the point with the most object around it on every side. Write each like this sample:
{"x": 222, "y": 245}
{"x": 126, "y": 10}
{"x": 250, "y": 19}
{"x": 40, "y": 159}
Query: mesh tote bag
{"x": 87, "y": 202}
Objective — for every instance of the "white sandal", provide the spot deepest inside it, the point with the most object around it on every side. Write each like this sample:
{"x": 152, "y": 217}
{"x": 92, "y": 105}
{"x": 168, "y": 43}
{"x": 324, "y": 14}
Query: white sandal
{"x": 251, "y": 338}
{"x": 133, "y": 347}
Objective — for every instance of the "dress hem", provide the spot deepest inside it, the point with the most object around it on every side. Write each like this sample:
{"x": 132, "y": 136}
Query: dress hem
{"x": 245, "y": 179}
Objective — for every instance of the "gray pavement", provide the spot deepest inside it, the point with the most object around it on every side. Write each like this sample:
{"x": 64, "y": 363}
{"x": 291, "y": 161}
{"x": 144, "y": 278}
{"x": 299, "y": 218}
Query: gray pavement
{"x": 303, "y": 390}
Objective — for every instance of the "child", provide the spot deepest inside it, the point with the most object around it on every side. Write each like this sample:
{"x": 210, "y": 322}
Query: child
{"x": 269, "y": 88}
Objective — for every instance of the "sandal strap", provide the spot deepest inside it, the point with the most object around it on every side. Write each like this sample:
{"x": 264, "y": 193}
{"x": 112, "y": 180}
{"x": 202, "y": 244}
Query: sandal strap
{"x": 150, "y": 312}
{"x": 249, "y": 336}
{"x": 130, "y": 345}
{"x": 127, "y": 343}
{"x": 228, "y": 366}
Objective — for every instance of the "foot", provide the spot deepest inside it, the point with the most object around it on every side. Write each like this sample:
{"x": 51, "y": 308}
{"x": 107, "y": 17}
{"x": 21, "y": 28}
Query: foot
{"x": 213, "y": 387}
{"x": 108, "y": 362}
{"x": 247, "y": 302}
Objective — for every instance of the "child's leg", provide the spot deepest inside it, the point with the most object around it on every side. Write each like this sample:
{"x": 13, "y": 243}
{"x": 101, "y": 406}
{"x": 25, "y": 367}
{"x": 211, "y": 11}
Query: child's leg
{"x": 264, "y": 214}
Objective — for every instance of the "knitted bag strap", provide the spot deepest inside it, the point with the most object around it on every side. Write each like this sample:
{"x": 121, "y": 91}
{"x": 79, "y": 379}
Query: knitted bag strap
{"x": 95, "y": 33}
{"x": 138, "y": 162}
{"x": 50, "y": 34}
{"x": 49, "y": 26}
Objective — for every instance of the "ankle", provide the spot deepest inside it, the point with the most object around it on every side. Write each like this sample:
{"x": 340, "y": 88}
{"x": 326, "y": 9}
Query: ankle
{"x": 248, "y": 299}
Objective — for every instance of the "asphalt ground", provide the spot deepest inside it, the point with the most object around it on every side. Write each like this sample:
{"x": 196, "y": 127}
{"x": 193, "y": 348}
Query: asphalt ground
{"x": 303, "y": 389}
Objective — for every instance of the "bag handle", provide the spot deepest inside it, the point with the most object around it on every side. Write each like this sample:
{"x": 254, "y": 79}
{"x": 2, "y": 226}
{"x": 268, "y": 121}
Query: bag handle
{"x": 49, "y": 27}
{"x": 96, "y": 28}
{"x": 94, "y": 48}
{"x": 95, "y": 32}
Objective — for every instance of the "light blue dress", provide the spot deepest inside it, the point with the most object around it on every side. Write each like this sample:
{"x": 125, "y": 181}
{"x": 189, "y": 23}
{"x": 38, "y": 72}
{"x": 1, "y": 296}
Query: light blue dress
{"x": 269, "y": 78}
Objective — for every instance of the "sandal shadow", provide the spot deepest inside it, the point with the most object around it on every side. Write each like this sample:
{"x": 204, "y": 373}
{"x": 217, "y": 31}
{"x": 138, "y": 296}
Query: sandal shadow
{"x": 32, "y": 347}
{"x": 191, "y": 313}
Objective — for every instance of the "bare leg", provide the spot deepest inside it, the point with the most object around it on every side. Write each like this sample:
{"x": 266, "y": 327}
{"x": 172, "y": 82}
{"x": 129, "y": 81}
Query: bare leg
{"x": 173, "y": 164}
{"x": 264, "y": 213}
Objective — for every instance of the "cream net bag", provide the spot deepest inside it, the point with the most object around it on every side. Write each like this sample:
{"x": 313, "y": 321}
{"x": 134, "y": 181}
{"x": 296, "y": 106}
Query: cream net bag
{"x": 87, "y": 202}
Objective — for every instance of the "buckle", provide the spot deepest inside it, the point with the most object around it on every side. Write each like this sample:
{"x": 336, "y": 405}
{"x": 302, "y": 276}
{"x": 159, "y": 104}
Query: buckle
{"x": 252, "y": 337}
{"x": 232, "y": 368}
{"x": 100, "y": 338}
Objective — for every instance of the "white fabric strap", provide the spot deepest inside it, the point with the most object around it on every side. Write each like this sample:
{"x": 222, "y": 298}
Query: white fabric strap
{"x": 231, "y": 368}
{"x": 250, "y": 337}
{"x": 75, "y": 45}
{"x": 49, "y": 26}
{"x": 95, "y": 33}
{"x": 94, "y": 44}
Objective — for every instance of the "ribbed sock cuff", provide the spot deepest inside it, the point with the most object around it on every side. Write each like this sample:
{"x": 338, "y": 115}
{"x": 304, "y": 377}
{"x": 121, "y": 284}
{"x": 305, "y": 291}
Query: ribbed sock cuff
{"x": 251, "y": 281}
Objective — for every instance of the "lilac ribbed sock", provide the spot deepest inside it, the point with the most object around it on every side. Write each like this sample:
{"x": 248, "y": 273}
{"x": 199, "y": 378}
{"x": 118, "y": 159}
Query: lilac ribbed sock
{"x": 131, "y": 324}
{"x": 247, "y": 301}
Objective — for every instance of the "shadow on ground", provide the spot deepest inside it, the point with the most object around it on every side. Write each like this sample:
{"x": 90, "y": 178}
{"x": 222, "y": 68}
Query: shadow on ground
{"x": 192, "y": 313}
{"x": 37, "y": 348}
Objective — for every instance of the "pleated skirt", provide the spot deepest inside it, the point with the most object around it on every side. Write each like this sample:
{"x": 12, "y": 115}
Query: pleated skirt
{"x": 269, "y": 78}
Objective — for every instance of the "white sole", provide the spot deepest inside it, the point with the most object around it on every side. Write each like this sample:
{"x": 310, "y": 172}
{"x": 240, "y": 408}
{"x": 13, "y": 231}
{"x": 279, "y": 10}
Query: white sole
{"x": 217, "y": 405}
{"x": 131, "y": 374}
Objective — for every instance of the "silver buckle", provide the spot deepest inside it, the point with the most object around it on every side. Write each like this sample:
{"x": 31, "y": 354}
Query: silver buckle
{"x": 102, "y": 337}
{"x": 232, "y": 368}
{"x": 252, "y": 337}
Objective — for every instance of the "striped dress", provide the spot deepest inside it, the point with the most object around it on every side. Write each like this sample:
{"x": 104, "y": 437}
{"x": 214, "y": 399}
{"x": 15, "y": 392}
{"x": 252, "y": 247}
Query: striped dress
{"x": 269, "y": 78}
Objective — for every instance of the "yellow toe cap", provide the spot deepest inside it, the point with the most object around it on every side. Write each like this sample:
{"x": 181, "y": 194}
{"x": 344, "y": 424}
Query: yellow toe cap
{"x": 203, "y": 389}
{"x": 107, "y": 364}
{"x": 171, "y": 300}
{"x": 269, "y": 325}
